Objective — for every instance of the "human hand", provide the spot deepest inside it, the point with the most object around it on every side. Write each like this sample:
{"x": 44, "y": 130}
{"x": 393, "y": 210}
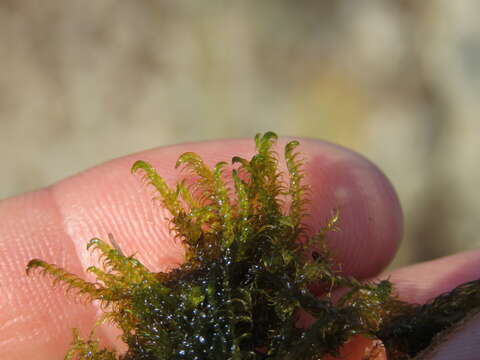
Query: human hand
{"x": 55, "y": 223}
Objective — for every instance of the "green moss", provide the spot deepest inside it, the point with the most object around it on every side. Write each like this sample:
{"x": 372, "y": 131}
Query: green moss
{"x": 246, "y": 277}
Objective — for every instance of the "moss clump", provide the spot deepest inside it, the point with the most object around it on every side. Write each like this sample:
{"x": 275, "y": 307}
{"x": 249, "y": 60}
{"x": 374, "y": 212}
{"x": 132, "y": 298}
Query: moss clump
{"x": 247, "y": 273}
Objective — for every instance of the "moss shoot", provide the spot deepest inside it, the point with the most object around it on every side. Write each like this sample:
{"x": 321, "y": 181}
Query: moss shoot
{"x": 247, "y": 276}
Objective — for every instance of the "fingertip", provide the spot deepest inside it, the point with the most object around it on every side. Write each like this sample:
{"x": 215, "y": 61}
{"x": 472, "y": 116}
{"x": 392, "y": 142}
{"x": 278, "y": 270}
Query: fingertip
{"x": 360, "y": 347}
{"x": 371, "y": 220}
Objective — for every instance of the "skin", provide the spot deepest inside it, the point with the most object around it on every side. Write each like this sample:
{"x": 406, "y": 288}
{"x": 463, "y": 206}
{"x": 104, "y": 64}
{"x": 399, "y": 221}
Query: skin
{"x": 54, "y": 224}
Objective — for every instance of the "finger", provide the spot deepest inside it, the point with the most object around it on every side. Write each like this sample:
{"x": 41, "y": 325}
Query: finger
{"x": 371, "y": 220}
{"x": 54, "y": 224}
{"x": 108, "y": 199}
{"x": 360, "y": 347}
{"x": 422, "y": 282}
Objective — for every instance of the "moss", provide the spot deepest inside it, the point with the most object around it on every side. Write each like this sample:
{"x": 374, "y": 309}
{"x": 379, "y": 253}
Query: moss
{"x": 247, "y": 275}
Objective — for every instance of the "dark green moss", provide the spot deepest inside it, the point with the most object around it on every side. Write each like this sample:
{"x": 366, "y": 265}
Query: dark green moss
{"x": 246, "y": 277}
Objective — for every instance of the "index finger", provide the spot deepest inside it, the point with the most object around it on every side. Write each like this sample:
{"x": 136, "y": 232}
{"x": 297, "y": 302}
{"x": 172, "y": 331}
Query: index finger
{"x": 54, "y": 224}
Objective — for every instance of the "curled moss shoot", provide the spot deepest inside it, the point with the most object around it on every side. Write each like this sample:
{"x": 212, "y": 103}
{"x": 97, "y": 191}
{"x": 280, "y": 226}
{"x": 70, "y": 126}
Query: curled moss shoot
{"x": 247, "y": 275}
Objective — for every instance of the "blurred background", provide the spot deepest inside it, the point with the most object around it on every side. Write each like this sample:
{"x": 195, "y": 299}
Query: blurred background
{"x": 82, "y": 82}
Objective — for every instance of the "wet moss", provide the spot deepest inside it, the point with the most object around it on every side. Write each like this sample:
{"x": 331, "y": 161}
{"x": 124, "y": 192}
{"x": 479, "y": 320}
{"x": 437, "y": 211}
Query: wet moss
{"x": 247, "y": 275}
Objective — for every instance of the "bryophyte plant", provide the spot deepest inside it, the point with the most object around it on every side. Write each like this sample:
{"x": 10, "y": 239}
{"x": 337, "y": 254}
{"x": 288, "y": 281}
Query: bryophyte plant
{"x": 247, "y": 275}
